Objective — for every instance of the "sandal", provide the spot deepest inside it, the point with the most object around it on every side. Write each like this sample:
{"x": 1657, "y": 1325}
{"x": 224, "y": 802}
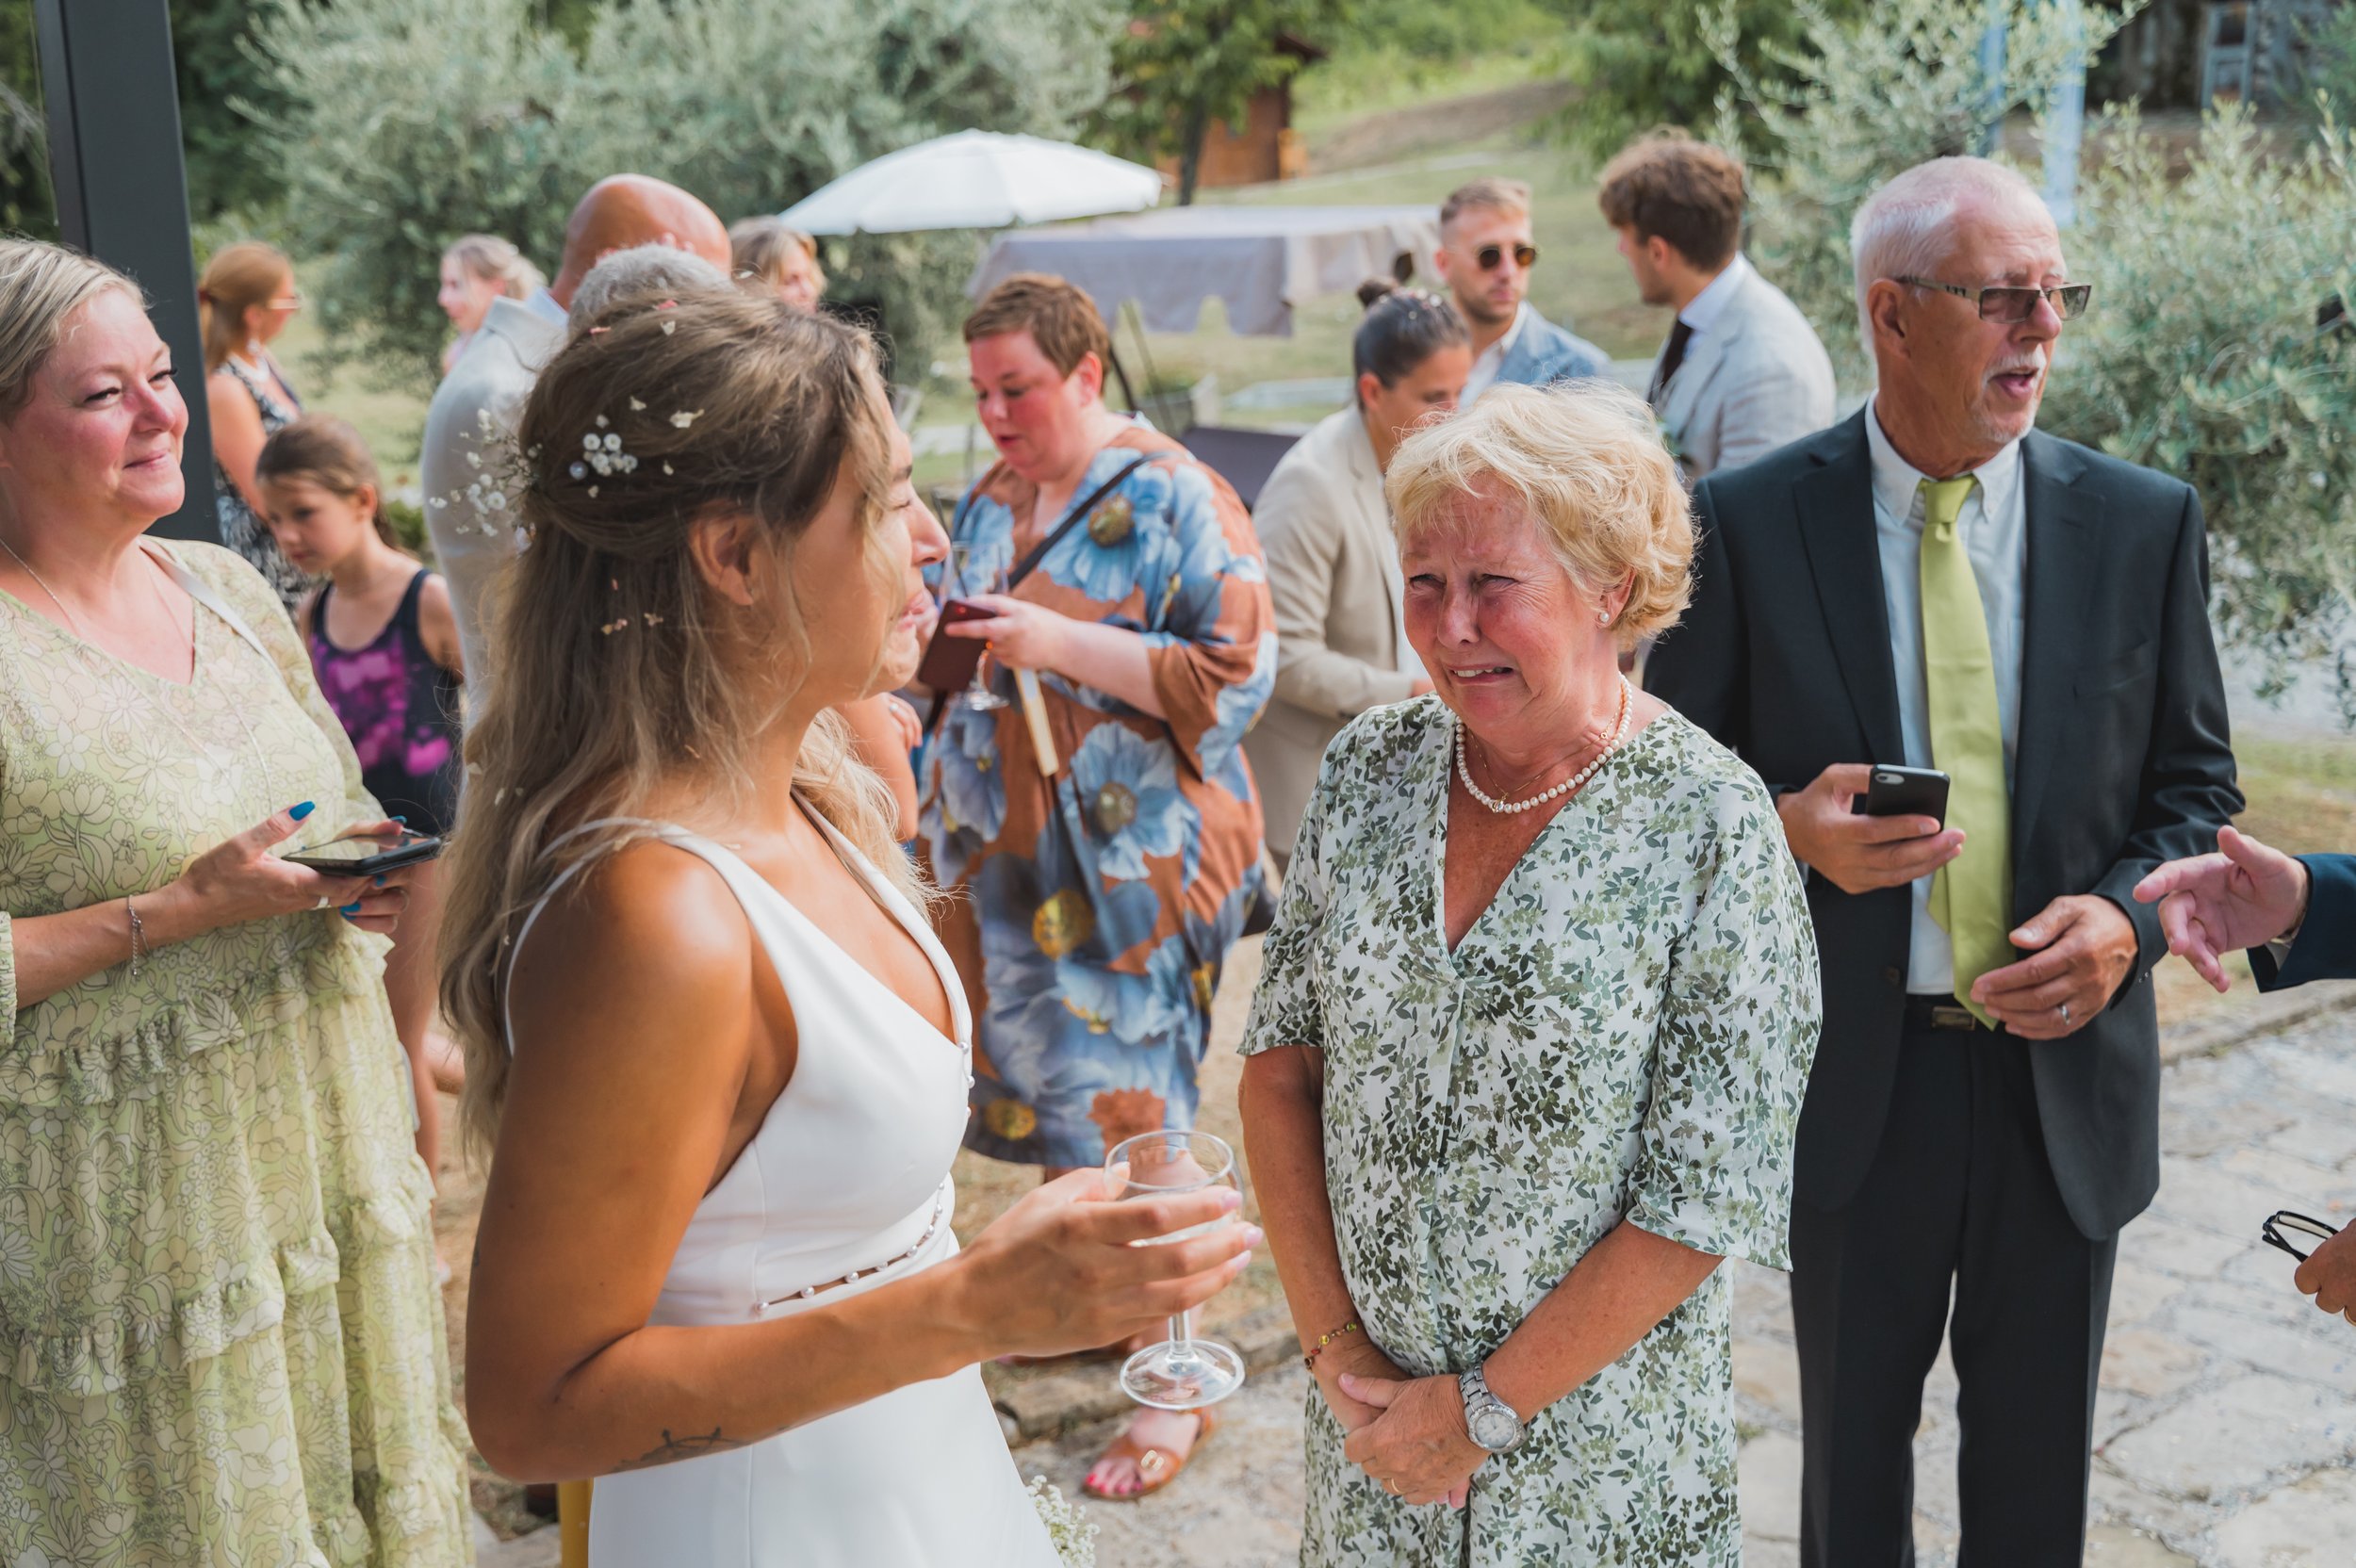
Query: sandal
{"x": 1156, "y": 1467}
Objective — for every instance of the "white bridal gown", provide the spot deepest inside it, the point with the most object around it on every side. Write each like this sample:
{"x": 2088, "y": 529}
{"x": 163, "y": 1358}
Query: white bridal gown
{"x": 849, "y": 1173}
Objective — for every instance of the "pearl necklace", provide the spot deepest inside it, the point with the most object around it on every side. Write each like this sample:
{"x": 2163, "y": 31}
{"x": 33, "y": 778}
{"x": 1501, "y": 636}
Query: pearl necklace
{"x": 1463, "y": 770}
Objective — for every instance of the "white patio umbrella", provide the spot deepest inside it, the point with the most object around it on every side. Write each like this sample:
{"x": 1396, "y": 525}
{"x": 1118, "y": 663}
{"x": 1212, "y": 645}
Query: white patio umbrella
{"x": 976, "y": 180}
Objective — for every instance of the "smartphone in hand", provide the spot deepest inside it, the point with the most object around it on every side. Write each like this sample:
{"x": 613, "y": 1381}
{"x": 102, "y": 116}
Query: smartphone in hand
{"x": 368, "y": 855}
{"x": 950, "y": 661}
{"x": 1904, "y": 792}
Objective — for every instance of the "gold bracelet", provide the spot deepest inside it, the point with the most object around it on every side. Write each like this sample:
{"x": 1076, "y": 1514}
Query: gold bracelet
{"x": 139, "y": 936}
{"x": 1310, "y": 1359}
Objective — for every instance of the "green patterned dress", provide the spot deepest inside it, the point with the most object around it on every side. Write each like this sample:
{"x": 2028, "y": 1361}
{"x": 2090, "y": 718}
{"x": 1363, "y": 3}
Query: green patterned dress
{"x": 221, "y": 1342}
{"x": 1624, "y": 1035}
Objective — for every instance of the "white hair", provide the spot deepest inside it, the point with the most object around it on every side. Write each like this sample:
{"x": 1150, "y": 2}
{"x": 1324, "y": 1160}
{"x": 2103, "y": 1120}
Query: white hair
{"x": 660, "y": 269}
{"x": 1906, "y": 228}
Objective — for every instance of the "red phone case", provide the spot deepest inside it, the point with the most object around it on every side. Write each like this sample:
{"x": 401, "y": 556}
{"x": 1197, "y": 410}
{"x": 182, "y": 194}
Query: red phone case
{"x": 949, "y": 662}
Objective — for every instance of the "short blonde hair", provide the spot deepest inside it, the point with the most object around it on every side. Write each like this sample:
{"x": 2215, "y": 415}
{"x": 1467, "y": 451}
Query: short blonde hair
{"x": 1486, "y": 194}
{"x": 41, "y": 286}
{"x": 759, "y": 248}
{"x": 1587, "y": 461}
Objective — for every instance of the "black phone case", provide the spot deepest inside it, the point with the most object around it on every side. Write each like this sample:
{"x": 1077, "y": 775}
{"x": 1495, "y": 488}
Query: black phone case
{"x": 1903, "y": 792}
{"x": 392, "y": 859}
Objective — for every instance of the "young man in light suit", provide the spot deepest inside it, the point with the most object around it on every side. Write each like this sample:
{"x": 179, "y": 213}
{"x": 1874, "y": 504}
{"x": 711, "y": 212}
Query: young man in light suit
{"x": 484, "y": 394}
{"x": 1485, "y": 258}
{"x": 1741, "y": 372}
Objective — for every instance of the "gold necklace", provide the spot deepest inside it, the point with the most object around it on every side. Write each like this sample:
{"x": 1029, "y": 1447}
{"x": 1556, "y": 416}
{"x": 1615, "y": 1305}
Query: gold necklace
{"x": 82, "y": 634}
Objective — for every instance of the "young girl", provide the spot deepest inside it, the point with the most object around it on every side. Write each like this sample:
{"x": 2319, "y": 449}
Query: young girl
{"x": 385, "y": 649}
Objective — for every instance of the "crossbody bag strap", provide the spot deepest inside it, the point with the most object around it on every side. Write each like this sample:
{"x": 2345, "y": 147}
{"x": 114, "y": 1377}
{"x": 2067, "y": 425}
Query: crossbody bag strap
{"x": 1037, "y": 552}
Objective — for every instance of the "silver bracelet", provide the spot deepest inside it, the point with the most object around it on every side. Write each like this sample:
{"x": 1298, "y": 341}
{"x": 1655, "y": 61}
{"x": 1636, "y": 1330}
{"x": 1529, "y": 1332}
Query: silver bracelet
{"x": 138, "y": 936}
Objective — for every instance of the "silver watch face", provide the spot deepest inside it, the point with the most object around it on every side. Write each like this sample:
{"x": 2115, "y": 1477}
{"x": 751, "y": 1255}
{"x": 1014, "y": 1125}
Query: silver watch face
{"x": 1494, "y": 1428}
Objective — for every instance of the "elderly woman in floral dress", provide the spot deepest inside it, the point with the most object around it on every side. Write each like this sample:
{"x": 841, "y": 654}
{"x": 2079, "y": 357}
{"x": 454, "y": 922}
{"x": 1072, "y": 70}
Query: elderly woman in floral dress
{"x": 1530, "y": 1038}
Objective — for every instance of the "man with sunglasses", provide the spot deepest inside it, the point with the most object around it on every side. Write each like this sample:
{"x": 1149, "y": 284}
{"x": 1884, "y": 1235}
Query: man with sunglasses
{"x": 1933, "y": 584}
{"x": 1485, "y": 258}
{"x": 2298, "y": 919}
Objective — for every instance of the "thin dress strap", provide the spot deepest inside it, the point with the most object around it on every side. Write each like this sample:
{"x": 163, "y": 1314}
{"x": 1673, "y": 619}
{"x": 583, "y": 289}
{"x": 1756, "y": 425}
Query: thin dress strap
{"x": 668, "y": 832}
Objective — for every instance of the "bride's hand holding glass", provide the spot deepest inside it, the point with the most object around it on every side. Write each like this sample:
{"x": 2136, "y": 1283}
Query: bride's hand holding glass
{"x": 1060, "y": 1271}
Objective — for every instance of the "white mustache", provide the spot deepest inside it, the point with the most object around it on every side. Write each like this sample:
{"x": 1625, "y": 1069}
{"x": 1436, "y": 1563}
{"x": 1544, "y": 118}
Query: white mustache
{"x": 2034, "y": 365}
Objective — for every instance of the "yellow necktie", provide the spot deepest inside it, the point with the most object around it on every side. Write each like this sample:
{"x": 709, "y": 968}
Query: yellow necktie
{"x": 1970, "y": 895}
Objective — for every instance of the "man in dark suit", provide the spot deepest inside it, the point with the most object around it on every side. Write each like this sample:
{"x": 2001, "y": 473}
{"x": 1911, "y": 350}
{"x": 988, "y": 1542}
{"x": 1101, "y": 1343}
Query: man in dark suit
{"x": 1933, "y": 584}
{"x": 2298, "y": 919}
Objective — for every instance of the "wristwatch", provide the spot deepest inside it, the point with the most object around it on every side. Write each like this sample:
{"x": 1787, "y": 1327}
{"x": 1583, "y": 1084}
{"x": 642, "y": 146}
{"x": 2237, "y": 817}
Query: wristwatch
{"x": 1490, "y": 1420}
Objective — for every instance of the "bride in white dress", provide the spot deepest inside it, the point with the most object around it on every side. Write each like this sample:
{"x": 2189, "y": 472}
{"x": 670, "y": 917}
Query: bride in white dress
{"x": 722, "y": 1059}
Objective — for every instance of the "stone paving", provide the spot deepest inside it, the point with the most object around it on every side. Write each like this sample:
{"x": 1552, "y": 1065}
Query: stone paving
{"x": 2227, "y": 1416}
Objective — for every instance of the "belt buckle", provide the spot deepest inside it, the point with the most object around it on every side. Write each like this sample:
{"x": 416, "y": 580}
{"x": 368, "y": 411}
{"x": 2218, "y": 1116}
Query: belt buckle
{"x": 1946, "y": 1016}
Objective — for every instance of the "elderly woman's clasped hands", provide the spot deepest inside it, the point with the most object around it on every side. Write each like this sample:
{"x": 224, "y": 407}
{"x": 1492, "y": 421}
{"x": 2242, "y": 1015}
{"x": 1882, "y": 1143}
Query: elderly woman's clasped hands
{"x": 1414, "y": 1440}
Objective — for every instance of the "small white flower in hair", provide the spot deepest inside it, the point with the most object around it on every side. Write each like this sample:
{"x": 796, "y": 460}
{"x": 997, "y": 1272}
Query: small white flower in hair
{"x": 602, "y": 421}
{"x": 669, "y": 327}
{"x": 635, "y": 405}
{"x": 683, "y": 420}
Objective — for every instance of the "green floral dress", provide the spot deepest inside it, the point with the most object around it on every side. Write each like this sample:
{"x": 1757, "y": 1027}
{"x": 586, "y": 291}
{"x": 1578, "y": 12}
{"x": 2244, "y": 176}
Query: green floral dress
{"x": 220, "y": 1338}
{"x": 1624, "y": 1035}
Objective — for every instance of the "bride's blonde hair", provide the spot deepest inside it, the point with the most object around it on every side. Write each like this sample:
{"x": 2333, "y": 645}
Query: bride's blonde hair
{"x": 617, "y": 669}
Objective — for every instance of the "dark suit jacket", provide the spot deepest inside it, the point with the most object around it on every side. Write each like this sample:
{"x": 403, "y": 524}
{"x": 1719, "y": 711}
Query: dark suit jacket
{"x": 2121, "y": 761}
{"x": 2326, "y": 946}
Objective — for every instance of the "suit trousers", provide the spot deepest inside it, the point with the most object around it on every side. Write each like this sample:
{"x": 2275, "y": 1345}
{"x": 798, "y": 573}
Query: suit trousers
{"x": 1960, "y": 1230}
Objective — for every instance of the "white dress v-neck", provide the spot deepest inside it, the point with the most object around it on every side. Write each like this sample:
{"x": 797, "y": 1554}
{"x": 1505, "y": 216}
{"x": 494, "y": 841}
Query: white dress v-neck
{"x": 849, "y": 1171}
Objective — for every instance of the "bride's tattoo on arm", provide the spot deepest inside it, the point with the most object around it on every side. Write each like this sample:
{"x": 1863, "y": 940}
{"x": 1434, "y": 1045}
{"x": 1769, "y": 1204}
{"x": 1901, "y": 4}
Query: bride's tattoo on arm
{"x": 692, "y": 1445}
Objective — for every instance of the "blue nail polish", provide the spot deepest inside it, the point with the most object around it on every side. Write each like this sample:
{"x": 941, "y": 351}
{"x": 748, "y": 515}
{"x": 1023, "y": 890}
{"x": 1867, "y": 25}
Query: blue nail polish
{"x": 380, "y": 878}
{"x": 304, "y": 811}
{"x": 403, "y": 821}
{"x": 351, "y": 909}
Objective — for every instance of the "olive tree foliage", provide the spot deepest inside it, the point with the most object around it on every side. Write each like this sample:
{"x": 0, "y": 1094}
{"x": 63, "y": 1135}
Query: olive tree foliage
{"x": 2202, "y": 354}
{"x": 1860, "y": 98}
{"x": 415, "y": 121}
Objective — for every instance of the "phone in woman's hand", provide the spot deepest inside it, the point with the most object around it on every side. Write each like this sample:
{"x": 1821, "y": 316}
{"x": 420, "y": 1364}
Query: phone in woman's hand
{"x": 950, "y": 661}
{"x": 368, "y": 855}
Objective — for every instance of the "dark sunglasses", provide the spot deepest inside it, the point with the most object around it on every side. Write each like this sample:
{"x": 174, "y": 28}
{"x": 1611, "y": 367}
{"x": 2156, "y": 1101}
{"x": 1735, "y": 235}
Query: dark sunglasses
{"x": 1525, "y": 256}
{"x": 2313, "y": 1232}
{"x": 2012, "y": 305}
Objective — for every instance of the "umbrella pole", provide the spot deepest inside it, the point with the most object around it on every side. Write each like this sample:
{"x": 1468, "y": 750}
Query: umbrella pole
{"x": 1120, "y": 374}
{"x": 1145, "y": 351}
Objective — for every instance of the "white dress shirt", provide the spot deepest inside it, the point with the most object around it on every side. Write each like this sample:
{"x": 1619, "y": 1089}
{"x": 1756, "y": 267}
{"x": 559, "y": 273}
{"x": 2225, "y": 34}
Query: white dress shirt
{"x": 1702, "y": 311}
{"x": 1492, "y": 359}
{"x": 1995, "y": 532}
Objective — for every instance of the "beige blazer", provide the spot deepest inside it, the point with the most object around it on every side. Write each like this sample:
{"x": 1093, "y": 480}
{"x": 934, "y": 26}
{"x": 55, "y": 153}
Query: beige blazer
{"x": 470, "y": 543}
{"x": 1332, "y": 571}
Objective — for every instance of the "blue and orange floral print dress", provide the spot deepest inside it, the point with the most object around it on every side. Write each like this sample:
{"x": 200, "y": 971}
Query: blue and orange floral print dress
{"x": 1094, "y": 913}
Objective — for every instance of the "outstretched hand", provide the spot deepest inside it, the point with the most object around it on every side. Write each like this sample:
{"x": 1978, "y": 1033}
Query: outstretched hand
{"x": 2245, "y": 896}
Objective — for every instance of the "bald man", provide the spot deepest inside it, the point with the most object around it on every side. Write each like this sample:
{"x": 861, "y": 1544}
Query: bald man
{"x": 484, "y": 395}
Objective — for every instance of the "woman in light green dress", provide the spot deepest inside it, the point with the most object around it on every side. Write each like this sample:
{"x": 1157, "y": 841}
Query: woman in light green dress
{"x": 220, "y": 1338}
{"x": 1531, "y": 1038}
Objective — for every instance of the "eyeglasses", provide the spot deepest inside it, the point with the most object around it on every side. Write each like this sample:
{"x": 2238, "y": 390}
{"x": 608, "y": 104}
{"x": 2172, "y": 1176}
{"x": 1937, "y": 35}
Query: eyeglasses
{"x": 2313, "y": 1232}
{"x": 291, "y": 301}
{"x": 2012, "y": 305}
{"x": 1525, "y": 256}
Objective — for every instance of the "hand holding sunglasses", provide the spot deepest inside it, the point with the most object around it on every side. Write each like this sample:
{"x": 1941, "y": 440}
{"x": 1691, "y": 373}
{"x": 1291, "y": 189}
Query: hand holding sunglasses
{"x": 2327, "y": 1258}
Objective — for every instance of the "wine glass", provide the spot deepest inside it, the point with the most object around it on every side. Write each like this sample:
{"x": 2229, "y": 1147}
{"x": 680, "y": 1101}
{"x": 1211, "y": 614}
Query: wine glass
{"x": 1182, "y": 1372}
{"x": 967, "y": 563}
